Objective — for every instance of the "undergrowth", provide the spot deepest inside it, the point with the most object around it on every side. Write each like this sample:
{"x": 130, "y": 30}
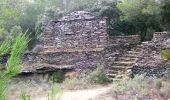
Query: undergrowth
{"x": 55, "y": 93}
{"x": 141, "y": 88}
{"x": 97, "y": 76}
{"x": 57, "y": 76}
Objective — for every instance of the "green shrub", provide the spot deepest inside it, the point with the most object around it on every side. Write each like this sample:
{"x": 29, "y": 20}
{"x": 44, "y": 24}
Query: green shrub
{"x": 98, "y": 76}
{"x": 24, "y": 96}
{"x": 55, "y": 93}
{"x": 57, "y": 76}
{"x": 136, "y": 85}
{"x": 165, "y": 54}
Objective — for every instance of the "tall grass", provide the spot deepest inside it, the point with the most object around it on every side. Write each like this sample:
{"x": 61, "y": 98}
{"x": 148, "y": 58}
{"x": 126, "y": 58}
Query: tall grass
{"x": 14, "y": 62}
{"x": 55, "y": 93}
{"x": 24, "y": 96}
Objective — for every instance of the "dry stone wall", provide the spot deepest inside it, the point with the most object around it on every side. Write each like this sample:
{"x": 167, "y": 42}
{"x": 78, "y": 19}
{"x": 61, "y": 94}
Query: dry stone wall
{"x": 150, "y": 61}
{"x": 160, "y": 36}
{"x": 123, "y": 40}
{"x": 79, "y": 31}
{"x": 83, "y": 60}
{"x": 78, "y": 41}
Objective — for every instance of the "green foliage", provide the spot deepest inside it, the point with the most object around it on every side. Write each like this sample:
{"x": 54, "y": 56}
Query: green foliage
{"x": 139, "y": 7}
{"x": 55, "y": 93}
{"x": 136, "y": 85}
{"x": 98, "y": 76}
{"x": 142, "y": 18}
{"x": 165, "y": 19}
{"x": 165, "y": 54}
{"x": 14, "y": 62}
{"x": 143, "y": 86}
{"x": 3, "y": 88}
{"x": 18, "y": 48}
{"x": 57, "y": 76}
{"x": 5, "y": 46}
{"x": 24, "y": 96}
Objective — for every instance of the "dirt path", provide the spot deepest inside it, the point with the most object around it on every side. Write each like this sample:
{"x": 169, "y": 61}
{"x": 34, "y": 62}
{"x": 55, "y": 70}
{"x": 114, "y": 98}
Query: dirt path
{"x": 89, "y": 94}
{"x": 99, "y": 93}
{"x": 39, "y": 93}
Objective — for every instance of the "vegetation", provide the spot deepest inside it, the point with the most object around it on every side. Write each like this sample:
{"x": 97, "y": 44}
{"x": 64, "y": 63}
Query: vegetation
{"x": 165, "y": 54}
{"x": 143, "y": 18}
{"x": 55, "y": 93}
{"x": 97, "y": 76}
{"x": 13, "y": 65}
{"x": 22, "y": 22}
{"x": 57, "y": 76}
{"x": 165, "y": 20}
{"x": 141, "y": 88}
{"x": 25, "y": 97}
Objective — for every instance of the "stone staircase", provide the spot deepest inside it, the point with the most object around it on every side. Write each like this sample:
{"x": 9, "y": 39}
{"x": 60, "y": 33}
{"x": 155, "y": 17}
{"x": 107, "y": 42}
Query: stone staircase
{"x": 123, "y": 63}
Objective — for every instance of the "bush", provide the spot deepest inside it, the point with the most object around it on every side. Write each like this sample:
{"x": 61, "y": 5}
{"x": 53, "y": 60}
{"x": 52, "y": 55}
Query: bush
{"x": 135, "y": 86}
{"x": 74, "y": 84}
{"x": 165, "y": 54}
{"x": 57, "y": 76}
{"x": 98, "y": 76}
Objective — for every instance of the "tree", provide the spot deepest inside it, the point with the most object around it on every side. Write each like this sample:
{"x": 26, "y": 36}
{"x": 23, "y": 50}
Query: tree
{"x": 165, "y": 13}
{"x": 14, "y": 62}
{"x": 142, "y": 18}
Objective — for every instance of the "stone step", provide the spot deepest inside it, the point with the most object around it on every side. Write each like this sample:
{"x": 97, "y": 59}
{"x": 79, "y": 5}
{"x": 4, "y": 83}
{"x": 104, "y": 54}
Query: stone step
{"x": 126, "y": 59}
{"x": 119, "y": 76}
{"x": 130, "y": 56}
{"x": 136, "y": 49}
{"x": 116, "y": 71}
{"x": 133, "y": 52}
{"x": 122, "y": 63}
{"x": 118, "y": 68}
{"x": 111, "y": 75}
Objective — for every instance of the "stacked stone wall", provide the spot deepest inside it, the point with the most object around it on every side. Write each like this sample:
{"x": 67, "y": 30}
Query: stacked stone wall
{"x": 78, "y": 60}
{"x": 77, "y": 35}
{"x": 124, "y": 40}
{"x": 82, "y": 60}
{"x": 160, "y": 36}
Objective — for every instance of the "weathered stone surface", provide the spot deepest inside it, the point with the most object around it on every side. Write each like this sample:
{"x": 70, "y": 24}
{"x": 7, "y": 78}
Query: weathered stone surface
{"x": 78, "y": 41}
{"x": 124, "y": 40}
{"x": 150, "y": 61}
{"x": 80, "y": 61}
{"x": 79, "y": 31}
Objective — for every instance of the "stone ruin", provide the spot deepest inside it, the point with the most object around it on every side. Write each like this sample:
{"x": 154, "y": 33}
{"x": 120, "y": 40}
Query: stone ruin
{"x": 73, "y": 42}
{"x": 79, "y": 42}
{"x": 79, "y": 31}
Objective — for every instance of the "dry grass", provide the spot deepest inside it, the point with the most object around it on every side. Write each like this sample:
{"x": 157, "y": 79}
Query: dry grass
{"x": 141, "y": 88}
